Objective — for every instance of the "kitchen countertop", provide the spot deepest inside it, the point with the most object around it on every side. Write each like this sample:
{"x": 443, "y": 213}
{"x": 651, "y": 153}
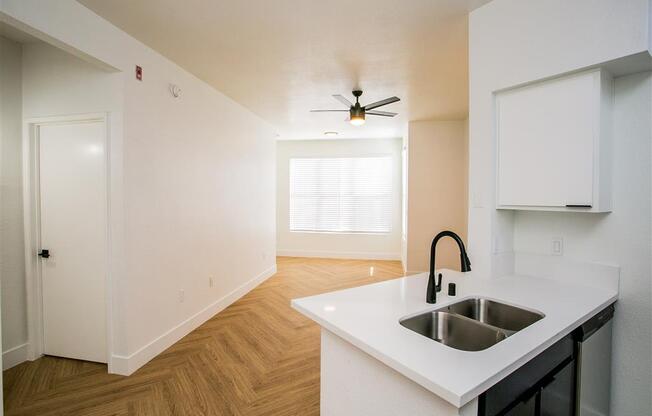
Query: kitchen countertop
{"x": 368, "y": 317}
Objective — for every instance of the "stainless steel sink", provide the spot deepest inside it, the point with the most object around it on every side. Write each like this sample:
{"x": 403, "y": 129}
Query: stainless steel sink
{"x": 454, "y": 330}
{"x": 471, "y": 325}
{"x": 500, "y": 315}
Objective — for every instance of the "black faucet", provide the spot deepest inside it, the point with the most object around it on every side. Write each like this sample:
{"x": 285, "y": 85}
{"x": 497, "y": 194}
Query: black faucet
{"x": 465, "y": 264}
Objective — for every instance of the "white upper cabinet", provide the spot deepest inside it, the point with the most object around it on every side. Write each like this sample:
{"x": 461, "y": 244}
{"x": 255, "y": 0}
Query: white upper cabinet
{"x": 554, "y": 144}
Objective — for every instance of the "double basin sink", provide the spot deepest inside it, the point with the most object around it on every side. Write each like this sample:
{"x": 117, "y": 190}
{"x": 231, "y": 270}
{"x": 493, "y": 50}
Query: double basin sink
{"x": 472, "y": 324}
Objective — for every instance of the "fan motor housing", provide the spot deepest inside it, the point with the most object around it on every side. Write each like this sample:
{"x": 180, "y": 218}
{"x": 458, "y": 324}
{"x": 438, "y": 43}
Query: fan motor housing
{"x": 356, "y": 111}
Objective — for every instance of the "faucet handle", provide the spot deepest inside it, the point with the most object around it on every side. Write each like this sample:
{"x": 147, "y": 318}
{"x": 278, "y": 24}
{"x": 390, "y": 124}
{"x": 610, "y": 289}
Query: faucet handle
{"x": 438, "y": 285}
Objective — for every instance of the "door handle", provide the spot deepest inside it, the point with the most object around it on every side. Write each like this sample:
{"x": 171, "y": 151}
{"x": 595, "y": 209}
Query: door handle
{"x": 44, "y": 253}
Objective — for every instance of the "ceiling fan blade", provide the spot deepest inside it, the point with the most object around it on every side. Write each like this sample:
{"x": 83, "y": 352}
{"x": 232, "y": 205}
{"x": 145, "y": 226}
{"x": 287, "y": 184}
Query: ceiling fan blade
{"x": 380, "y": 113}
{"x": 343, "y": 100}
{"x": 329, "y": 111}
{"x": 381, "y": 103}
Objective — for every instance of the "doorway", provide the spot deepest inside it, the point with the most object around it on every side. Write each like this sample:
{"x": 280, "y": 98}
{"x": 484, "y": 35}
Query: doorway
{"x": 69, "y": 237}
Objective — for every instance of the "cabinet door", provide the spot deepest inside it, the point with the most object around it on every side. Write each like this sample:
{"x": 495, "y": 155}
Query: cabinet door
{"x": 525, "y": 408}
{"x": 546, "y": 134}
{"x": 558, "y": 397}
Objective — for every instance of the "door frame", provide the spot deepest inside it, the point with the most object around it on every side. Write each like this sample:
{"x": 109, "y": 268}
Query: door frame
{"x": 32, "y": 228}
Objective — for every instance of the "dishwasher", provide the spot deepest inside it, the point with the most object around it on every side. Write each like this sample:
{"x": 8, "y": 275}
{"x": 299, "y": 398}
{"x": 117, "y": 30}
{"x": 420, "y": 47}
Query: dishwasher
{"x": 593, "y": 370}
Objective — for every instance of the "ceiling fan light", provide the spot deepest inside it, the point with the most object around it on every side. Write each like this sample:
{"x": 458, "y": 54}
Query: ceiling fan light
{"x": 357, "y": 119}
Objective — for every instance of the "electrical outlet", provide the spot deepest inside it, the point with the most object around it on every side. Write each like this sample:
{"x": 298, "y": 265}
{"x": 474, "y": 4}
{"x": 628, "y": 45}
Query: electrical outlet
{"x": 557, "y": 246}
{"x": 182, "y": 296}
{"x": 210, "y": 282}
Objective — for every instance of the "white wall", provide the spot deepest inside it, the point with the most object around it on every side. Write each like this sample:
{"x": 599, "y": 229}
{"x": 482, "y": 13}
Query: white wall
{"x": 622, "y": 237}
{"x": 437, "y": 191}
{"x": 12, "y": 288}
{"x": 370, "y": 246}
{"x": 516, "y": 41}
{"x": 193, "y": 179}
{"x": 404, "y": 197}
{"x": 12, "y": 263}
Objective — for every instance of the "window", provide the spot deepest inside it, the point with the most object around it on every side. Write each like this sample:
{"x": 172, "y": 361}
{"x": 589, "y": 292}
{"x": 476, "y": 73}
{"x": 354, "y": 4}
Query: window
{"x": 349, "y": 195}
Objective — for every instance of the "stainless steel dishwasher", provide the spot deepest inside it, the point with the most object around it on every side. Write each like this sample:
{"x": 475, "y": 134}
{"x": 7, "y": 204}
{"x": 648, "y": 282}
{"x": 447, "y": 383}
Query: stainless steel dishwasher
{"x": 593, "y": 369}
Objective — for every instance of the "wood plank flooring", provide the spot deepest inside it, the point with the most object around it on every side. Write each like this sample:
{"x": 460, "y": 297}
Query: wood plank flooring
{"x": 257, "y": 357}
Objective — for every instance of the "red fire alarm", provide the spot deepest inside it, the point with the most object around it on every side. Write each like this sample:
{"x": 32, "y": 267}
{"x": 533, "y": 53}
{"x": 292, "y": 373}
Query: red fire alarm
{"x": 139, "y": 73}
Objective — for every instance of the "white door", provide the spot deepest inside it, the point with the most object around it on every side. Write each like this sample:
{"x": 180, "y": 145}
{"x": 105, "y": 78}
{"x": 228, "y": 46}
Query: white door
{"x": 73, "y": 230}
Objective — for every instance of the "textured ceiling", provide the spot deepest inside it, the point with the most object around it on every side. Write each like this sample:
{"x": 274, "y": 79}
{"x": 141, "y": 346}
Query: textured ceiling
{"x": 282, "y": 58}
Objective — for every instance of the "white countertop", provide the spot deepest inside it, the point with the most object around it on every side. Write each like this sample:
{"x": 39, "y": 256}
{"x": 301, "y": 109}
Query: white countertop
{"x": 367, "y": 317}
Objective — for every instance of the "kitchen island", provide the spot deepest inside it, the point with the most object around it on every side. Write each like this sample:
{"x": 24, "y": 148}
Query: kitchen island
{"x": 371, "y": 364}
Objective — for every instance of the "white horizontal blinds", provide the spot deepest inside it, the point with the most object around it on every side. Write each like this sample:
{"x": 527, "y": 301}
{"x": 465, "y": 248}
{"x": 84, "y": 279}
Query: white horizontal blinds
{"x": 341, "y": 194}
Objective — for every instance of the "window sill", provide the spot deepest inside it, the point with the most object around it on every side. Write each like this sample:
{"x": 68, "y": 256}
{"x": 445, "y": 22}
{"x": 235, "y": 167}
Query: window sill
{"x": 340, "y": 232}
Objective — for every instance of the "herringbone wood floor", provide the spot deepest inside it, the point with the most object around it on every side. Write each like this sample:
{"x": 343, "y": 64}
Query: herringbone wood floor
{"x": 257, "y": 357}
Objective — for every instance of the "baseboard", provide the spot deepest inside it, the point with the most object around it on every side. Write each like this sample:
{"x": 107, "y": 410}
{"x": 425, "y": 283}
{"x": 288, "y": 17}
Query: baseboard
{"x": 412, "y": 272}
{"x": 357, "y": 255}
{"x": 14, "y": 356}
{"x": 127, "y": 365}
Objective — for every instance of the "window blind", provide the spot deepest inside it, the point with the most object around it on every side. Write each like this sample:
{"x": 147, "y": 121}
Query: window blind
{"x": 352, "y": 195}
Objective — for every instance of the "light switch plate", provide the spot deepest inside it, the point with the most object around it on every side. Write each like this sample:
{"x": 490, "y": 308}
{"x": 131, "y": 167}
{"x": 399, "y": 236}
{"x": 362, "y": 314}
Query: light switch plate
{"x": 557, "y": 246}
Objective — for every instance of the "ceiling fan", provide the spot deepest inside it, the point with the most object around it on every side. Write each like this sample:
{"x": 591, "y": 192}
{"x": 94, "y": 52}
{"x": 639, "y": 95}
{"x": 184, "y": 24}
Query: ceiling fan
{"x": 358, "y": 112}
